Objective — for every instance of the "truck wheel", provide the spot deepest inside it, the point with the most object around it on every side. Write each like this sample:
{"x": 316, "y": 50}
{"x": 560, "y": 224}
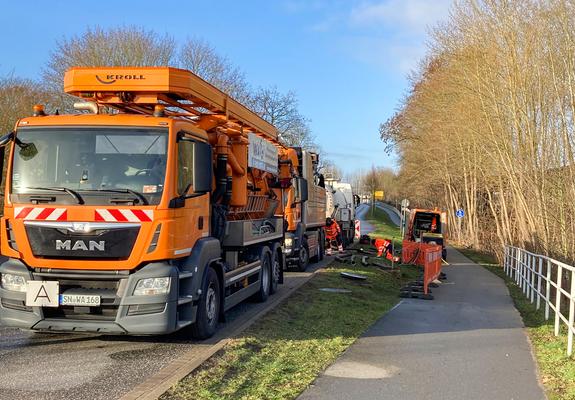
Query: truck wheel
{"x": 276, "y": 272}
{"x": 303, "y": 257}
{"x": 265, "y": 279}
{"x": 208, "y": 307}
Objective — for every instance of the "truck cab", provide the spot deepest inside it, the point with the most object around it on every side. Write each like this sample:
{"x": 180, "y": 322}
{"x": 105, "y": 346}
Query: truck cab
{"x": 305, "y": 238}
{"x": 152, "y": 218}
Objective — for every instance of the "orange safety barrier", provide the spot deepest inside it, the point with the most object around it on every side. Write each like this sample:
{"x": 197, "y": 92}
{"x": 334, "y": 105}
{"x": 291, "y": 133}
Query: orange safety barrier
{"x": 426, "y": 255}
{"x": 412, "y": 252}
{"x": 431, "y": 266}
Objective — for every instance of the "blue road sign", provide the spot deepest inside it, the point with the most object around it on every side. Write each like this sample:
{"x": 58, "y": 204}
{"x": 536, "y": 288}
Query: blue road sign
{"x": 460, "y": 213}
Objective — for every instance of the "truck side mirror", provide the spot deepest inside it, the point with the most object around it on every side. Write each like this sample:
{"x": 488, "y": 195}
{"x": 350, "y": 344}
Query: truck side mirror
{"x": 4, "y": 141}
{"x": 202, "y": 167}
{"x": 301, "y": 189}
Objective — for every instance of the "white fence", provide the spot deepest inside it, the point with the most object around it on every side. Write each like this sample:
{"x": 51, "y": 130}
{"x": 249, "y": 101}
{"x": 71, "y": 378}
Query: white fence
{"x": 543, "y": 281}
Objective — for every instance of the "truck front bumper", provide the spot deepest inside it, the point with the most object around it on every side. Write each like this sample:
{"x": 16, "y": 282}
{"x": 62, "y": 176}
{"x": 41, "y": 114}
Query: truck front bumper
{"x": 121, "y": 312}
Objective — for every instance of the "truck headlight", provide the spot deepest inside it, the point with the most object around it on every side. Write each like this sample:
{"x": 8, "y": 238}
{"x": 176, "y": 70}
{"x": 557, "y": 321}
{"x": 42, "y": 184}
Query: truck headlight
{"x": 151, "y": 286}
{"x": 16, "y": 283}
{"x": 288, "y": 242}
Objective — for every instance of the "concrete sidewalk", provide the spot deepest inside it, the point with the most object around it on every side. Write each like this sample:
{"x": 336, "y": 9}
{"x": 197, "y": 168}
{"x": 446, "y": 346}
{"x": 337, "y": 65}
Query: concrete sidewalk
{"x": 468, "y": 343}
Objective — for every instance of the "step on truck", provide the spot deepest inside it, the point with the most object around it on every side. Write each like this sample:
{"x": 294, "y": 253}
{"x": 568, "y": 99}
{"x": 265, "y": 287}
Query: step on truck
{"x": 158, "y": 207}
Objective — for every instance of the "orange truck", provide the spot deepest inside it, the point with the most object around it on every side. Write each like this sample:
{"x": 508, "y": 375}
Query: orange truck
{"x": 160, "y": 206}
{"x": 427, "y": 226}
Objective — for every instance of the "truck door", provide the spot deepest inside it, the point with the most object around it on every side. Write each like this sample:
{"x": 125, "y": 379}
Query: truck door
{"x": 192, "y": 195}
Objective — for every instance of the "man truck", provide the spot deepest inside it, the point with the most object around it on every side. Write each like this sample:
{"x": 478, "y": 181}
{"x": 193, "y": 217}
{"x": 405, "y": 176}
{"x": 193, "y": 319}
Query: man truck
{"x": 160, "y": 206}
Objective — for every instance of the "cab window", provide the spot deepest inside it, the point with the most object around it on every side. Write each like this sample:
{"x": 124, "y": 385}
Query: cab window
{"x": 185, "y": 165}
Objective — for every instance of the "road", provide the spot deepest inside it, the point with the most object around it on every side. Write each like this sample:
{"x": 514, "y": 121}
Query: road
{"x": 360, "y": 212}
{"x": 74, "y": 366}
{"x": 85, "y": 366}
{"x": 468, "y": 343}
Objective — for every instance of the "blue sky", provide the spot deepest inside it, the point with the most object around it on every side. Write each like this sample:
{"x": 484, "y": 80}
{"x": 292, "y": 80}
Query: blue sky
{"x": 346, "y": 60}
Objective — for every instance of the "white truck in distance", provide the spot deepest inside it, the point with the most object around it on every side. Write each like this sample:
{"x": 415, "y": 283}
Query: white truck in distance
{"x": 340, "y": 206}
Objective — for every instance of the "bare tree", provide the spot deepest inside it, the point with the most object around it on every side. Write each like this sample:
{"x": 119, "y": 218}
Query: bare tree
{"x": 201, "y": 58}
{"x": 17, "y": 98}
{"x": 371, "y": 183}
{"x": 122, "y": 46}
{"x": 281, "y": 110}
{"x": 488, "y": 125}
{"x": 330, "y": 170}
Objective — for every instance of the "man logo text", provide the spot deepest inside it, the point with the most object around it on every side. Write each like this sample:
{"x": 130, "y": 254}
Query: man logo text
{"x": 80, "y": 245}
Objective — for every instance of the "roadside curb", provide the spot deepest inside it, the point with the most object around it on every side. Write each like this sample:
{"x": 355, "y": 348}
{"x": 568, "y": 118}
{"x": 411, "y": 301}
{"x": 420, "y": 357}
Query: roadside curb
{"x": 159, "y": 383}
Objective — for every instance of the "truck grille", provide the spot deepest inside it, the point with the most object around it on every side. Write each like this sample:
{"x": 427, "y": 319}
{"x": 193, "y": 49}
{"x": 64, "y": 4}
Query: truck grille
{"x": 57, "y": 243}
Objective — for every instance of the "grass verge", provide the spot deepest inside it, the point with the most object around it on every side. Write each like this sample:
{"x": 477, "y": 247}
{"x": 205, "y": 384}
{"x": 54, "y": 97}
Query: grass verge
{"x": 383, "y": 227}
{"x": 281, "y": 354}
{"x": 556, "y": 369}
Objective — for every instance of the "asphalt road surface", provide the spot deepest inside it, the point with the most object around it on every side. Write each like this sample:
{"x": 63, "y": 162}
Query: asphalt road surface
{"x": 85, "y": 366}
{"x": 360, "y": 213}
{"x": 468, "y": 343}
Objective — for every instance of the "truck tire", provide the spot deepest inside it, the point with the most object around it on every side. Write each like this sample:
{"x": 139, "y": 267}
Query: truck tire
{"x": 303, "y": 257}
{"x": 208, "y": 307}
{"x": 265, "y": 278}
{"x": 276, "y": 272}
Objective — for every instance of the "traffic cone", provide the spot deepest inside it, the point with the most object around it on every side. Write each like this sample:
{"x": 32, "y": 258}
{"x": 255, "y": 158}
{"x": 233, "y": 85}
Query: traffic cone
{"x": 328, "y": 251}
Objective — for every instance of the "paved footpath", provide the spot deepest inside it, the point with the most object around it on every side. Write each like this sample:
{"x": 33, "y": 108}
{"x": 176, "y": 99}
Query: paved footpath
{"x": 467, "y": 344}
{"x": 361, "y": 214}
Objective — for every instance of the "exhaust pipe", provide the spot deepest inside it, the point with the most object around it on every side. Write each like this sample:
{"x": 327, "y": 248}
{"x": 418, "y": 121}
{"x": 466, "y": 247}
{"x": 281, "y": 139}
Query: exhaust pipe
{"x": 88, "y": 106}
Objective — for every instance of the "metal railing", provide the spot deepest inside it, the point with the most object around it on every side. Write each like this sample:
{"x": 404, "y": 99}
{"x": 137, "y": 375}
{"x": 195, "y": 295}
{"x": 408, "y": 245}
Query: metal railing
{"x": 543, "y": 280}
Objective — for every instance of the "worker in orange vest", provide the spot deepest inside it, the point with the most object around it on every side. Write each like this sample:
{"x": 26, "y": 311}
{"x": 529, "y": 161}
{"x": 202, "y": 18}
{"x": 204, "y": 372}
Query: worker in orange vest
{"x": 333, "y": 234}
{"x": 434, "y": 224}
{"x": 383, "y": 246}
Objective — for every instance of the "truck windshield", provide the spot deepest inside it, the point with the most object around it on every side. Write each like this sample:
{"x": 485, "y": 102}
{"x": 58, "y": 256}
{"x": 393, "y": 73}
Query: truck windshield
{"x": 96, "y": 162}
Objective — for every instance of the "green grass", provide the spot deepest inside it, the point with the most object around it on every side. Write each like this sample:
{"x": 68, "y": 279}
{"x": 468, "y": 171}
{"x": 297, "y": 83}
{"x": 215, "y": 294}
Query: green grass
{"x": 556, "y": 369}
{"x": 282, "y": 353}
{"x": 383, "y": 227}
{"x": 279, "y": 356}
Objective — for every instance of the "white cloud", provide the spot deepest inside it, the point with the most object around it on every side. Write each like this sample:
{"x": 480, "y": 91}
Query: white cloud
{"x": 392, "y": 33}
{"x": 396, "y": 55}
{"x": 410, "y": 15}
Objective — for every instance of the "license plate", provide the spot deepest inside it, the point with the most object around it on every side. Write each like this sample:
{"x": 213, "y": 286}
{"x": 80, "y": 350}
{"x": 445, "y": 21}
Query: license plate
{"x": 79, "y": 300}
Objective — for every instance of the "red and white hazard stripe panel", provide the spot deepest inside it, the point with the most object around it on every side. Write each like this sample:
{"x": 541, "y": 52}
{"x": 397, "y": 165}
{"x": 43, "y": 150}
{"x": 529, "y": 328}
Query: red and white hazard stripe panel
{"x": 124, "y": 215}
{"x": 41, "y": 213}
